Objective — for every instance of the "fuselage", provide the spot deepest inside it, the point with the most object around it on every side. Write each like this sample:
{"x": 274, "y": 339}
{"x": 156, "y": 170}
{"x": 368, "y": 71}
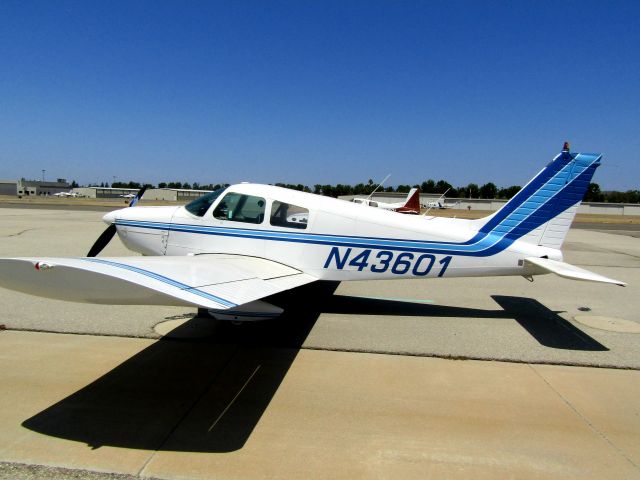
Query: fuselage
{"x": 325, "y": 237}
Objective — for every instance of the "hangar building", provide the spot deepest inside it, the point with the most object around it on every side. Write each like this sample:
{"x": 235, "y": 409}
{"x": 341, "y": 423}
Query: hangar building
{"x": 37, "y": 187}
{"x": 8, "y": 187}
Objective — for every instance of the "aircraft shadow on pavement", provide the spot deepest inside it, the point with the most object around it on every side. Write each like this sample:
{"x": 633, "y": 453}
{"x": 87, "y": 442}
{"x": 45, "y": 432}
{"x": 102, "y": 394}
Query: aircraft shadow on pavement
{"x": 208, "y": 394}
{"x": 546, "y": 326}
{"x": 196, "y": 395}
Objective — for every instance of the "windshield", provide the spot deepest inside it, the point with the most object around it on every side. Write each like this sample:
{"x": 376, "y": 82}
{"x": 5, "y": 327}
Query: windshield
{"x": 200, "y": 205}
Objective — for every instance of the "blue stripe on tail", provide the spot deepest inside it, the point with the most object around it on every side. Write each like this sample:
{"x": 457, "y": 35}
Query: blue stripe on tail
{"x": 554, "y": 190}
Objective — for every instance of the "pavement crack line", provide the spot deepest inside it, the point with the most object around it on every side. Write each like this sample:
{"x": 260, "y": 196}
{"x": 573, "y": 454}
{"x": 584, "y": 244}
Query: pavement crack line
{"x": 190, "y": 409}
{"x": 625, "y": 253}
{"x": 234, "y": 398}
{"x": 607, "y": 266}
{"x": 585, "y": 419}
{"x": 19, "y": 233}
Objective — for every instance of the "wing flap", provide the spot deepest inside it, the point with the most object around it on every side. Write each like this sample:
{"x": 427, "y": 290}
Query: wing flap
{"x": 209, "y": 281}
{"x": 567, "y": 270}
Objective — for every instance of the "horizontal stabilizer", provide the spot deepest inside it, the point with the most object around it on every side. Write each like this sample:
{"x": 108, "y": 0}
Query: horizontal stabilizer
{"x": 567, "y": 270}
{"x": 211, "y": 281}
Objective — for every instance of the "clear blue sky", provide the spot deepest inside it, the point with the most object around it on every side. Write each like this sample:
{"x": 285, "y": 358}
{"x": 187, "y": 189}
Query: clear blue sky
{"x": 317, "y": 91}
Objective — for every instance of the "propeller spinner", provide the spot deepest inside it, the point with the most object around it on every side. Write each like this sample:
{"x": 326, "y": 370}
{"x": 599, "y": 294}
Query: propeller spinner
{"x": 108, "y": 234}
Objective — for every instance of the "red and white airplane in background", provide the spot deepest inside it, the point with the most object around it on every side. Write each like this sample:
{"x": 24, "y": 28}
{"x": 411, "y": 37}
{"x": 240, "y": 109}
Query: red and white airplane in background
{"x": 410, "y": 205}
{"x": 228, "y": 250}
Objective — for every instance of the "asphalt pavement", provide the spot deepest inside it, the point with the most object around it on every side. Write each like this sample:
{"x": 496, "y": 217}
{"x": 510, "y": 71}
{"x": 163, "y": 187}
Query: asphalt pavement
{"x": 502, "y": 318}
{"x": 404, "y": 379}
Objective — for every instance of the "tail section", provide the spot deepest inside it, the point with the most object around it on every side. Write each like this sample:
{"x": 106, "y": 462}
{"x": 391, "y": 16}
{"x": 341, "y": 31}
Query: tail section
{"x": 412, "y": 204}
{"x": 542, "y": 211}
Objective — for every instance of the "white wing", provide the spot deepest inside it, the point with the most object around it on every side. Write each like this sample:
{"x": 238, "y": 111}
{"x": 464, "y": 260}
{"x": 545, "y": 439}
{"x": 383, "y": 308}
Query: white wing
{"x": 567, "y": 270}
{"x": 211, "y": 281}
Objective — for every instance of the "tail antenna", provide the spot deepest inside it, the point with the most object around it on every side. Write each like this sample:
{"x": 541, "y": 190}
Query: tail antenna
{"x": 437, "y": 201}
{"x": 379, "y": 185}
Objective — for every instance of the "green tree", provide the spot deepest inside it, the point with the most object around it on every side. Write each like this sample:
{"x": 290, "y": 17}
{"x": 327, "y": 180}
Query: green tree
{"x": 359, "y": 189}
{"x": 593, "y": 194}
{"x": 488, "y": 190}
{"x": 508, "y": 192}
{"x": 428, "y": 186}
{"x": 442, "y": 186}
{"x": 471, "y": 191}
{"x": 633, "y": 196}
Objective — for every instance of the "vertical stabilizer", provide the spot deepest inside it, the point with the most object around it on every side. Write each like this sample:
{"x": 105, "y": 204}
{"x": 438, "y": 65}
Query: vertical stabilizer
{"x": 542, "y": 211}
{"x": 412, "y": 203}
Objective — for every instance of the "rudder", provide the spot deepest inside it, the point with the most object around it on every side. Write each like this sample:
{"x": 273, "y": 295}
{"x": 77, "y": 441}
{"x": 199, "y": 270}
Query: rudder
{"x": 543, "y": 210}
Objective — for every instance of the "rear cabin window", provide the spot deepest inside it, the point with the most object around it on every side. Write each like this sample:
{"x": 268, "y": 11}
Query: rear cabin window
{"x": 288, "y": 215}
{"x": 237, "y": 207}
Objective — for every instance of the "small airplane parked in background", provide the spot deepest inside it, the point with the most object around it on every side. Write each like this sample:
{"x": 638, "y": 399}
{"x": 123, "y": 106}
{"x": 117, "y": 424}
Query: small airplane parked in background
{"x": 440, "y": 203}
{"x": 231, "y": 248}
{"x": 411, "y": 204}
{"x": 67, "y": 194}
{"x": 128, "y": 195}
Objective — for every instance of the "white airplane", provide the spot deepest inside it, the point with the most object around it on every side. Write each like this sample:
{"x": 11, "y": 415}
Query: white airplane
{"x": 128, "y": 195}
{"x": 68, "y": 194}
{"x": 410, "y": 205}
{"x": 439, "y": 203}
{"x": 233, "y": 247}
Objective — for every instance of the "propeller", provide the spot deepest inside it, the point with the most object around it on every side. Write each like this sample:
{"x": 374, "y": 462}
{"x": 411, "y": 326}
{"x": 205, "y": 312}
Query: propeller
{"x": 138, "y": 196}
{"x": 108, "y": 234}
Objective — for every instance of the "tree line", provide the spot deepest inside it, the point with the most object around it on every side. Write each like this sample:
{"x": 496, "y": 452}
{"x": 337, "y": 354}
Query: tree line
{"x": 178, "y": 185}
{"x": 441, "y": 187}
{"x": 594, "y": 194}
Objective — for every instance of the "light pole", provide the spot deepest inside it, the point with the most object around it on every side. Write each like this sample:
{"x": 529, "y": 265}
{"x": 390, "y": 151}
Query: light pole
{"x": 43, "y": 170}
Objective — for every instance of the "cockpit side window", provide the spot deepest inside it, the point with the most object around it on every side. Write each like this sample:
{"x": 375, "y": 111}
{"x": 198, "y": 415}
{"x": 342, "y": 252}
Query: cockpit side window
{"x": 200, "y": 205}
{"x": 237, "y": 207}
{"x": 288, "y": 215}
